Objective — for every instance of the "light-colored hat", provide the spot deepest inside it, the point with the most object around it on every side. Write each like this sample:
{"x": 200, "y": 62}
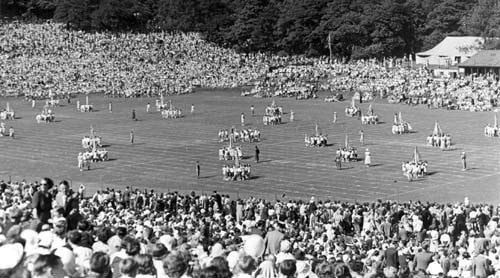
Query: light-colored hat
{"x": 11, "y": 255}
{"x": 254, "y": 246}
{"x": 45, "y": 239}
{"x": 68, "y": 259}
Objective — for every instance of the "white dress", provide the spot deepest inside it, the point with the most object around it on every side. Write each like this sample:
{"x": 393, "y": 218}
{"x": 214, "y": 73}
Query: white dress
{"x": 368, "y": 158}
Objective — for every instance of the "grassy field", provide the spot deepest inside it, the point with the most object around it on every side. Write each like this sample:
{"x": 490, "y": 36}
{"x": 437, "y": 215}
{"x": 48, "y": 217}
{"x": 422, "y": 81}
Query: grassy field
{"x": 165, "y": 152}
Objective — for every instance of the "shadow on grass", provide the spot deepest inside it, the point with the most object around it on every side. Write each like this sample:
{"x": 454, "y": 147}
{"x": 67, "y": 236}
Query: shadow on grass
{"x": 208, "y": 177}
{"x": 344, "y": 168}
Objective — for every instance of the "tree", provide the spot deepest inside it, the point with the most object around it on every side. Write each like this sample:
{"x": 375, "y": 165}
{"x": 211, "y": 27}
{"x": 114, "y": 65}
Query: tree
{"x": 27, "y": 8}
{"x": 177, "y": 15}
{"x": 254, "y": 26}
{"x": 419, "y": 11}
{"x": 445, "y": 20}
{"x": 76, "y": 13}
{"x": 337, "y": 25}
{"x": 476, "y": 23}
{"x": 117, "y": 15}
{"x": 296, "y": 25}
{"x": 390, "y": 30}
{"x": 215, "y": 18}
{"x": 493, "y": 29}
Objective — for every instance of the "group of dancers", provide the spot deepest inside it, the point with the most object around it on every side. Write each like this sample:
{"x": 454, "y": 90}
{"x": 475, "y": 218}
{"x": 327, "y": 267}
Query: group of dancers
{"x": 230, "y": 153}
{"x": 245, "y": 135}
{"x": 414, "y": 169}
{"x": 442, "y": 141}
{"x": 236, "y": 172}
{"x": 316, "y": 140}
{"x": 3, "y": 131}
{"x": 93, "y": 151}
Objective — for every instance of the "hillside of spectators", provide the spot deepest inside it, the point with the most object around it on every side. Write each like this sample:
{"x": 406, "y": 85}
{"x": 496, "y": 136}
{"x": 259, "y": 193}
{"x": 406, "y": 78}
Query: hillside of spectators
{"x": 46, "y": 59}
{"x": 51, "y": 230}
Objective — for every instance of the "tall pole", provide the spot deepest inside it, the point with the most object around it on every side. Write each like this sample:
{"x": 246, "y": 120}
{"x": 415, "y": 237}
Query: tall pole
{"x": 330, "y": 44}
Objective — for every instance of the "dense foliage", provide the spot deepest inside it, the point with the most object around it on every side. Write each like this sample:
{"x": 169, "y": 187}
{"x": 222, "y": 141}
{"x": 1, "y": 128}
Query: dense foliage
{"x": 342, "y": 28}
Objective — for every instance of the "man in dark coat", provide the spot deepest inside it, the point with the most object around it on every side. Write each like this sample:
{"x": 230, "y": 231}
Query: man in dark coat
{"x": 391, "y": 256}
{"x": 481, "y": 266}
{"x": 42, "y": 202}
{"x": 257, "y": 153}
{"x": 423, "y": 258}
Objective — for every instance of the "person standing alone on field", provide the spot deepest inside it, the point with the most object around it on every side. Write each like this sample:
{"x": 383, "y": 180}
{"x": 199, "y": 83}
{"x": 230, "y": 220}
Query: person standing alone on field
{"x": 252, "y": 109}
{"x": 257, "y": 153}
{"x": 464, "y": 161}
{"x": 368, "y": 158}
{"x": 198, "y": 169}
{"x": 133, "y": 115}
{"x": 362, "y": 137}
{"x": 132, "y": 137}
{"x": 148, "y": 107}
{"x": 110, "y": 107}
{"x": 242, "y": 119}
{"x": 338, "y": 162}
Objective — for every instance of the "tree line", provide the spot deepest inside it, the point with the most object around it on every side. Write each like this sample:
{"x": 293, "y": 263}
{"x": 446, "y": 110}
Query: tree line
{"x": 351, "y": 29}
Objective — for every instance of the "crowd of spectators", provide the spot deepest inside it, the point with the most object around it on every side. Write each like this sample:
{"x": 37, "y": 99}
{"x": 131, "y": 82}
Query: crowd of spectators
{"x": 50, "y": 230}
{"x": 42, "y": 60}
{"x": 47, "y": 60}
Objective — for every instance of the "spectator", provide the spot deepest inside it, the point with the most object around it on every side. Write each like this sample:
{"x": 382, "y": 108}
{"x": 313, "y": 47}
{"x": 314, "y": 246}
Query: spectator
{"x": 42, "y": 202}
{"x": 145, "y": 266}
{"x": 128, "y": 268}
{"x": 287, "y": 268}
{"x": 99, "y": 266}
{"x": 175, "y": 266}
{"x": 48, "y": 266}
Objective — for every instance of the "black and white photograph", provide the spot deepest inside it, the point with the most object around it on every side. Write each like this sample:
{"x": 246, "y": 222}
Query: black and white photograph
{"x": 249, "y": 139}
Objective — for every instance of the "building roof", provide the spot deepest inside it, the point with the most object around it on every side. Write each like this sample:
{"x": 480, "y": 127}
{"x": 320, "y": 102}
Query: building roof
{"x": 484, "y": 58}
{"x": 454, "y": 46}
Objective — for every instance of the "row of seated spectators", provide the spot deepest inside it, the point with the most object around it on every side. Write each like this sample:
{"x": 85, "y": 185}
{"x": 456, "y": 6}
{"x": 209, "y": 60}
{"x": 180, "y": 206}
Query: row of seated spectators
{"x": 50, "y": 230}
{"x": 398, "y": 83}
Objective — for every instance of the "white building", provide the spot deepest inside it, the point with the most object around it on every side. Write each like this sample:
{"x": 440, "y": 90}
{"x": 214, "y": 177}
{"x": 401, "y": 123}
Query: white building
{"x": 451, "y": 51}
